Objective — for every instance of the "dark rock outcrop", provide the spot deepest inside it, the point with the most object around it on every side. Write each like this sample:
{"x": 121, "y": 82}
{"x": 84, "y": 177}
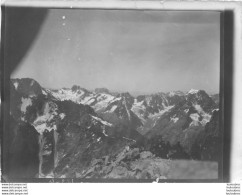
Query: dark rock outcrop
{"x": 20, "y": 151}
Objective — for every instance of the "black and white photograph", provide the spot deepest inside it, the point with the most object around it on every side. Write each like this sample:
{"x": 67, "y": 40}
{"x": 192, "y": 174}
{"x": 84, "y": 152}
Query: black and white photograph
{"x": 113, "y": 95}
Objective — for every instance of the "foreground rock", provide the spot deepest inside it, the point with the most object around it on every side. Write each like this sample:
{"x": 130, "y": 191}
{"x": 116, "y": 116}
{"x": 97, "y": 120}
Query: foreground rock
{"x": 129, "y": 164}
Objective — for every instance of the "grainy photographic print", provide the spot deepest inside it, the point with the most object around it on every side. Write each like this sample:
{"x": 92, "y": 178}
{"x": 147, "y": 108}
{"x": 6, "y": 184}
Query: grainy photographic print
{"x": 127, "y": 95}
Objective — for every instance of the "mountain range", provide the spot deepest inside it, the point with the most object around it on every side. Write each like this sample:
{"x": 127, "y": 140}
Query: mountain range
{"x": 77, "y": 133}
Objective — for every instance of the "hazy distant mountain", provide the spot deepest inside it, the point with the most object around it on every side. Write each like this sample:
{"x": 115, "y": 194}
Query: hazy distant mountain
{"x": 78, "y": 129}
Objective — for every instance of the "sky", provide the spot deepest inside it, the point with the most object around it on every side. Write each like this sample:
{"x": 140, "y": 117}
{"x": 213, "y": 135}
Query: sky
{"x": 136, "y": 51}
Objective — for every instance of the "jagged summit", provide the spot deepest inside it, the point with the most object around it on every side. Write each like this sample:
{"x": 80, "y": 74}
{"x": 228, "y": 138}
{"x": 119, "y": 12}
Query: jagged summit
{"x": 101, "y": 90}
{"x": 173, "y": 93}
{"x": 193, "y": 91}
{"x": 27, "y": 86}
{"x": 125, "y": 94}
{"x": 75, "y": 88}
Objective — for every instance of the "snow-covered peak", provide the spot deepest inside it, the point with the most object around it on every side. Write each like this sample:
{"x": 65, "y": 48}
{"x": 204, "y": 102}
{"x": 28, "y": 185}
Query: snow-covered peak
{"x": 193, "y": 91}
{"x": 67, "y": 94}
{"x": 173, "y": 93}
